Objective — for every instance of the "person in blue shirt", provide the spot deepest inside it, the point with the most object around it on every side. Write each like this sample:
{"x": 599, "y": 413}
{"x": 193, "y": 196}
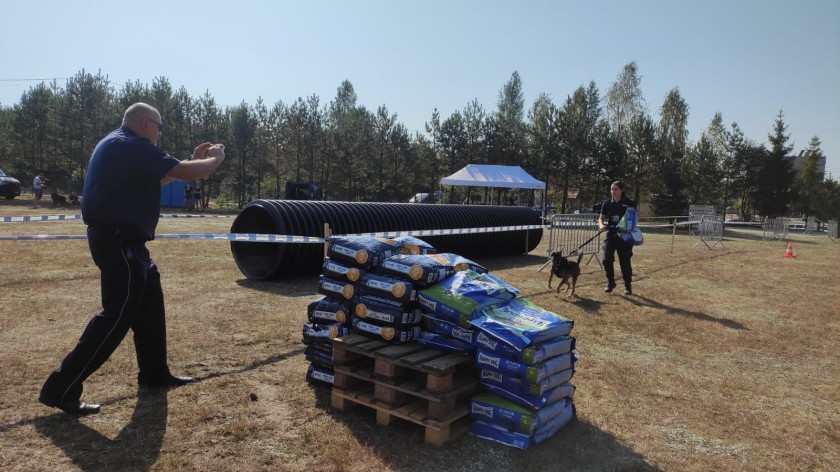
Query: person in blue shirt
{"x": 612, "y": 210}
{"x": 121, "y": 208}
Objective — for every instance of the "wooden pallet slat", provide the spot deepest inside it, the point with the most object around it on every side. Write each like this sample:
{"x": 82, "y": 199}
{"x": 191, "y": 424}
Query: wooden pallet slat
{"x": 398, "y": 350}
{"x": 408, "y": 381}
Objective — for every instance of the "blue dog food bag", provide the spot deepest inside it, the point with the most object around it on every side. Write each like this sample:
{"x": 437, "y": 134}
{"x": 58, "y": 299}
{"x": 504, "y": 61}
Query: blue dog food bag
{"x": 532, "y": 374}
{"x": 412, "y": 245}
{"x": 521, "y": 323}
{"x": 512, "y": 382}
{"x": 316, "y": 374}
{"x": 386, "y": 312}
{"x": 524, "y": 441}
{"x": 314, "y": 333}
{"x": 392, "y": 334}
{"x": 462, "y": 263}
{"x": 319, "y": 354}
{"x": 464, "y": 293}
{"x": 391, "y": 288}
{"x": 493, "y": 409}
{"x": 530, "y": 355}
{"x": 440, "y": 326}
{"x": 335, "y": 288}
{"x": 443, "y": 342}
{"x": 361, "y": 251}
{"x": 535, "y": 401}
{"x": 327, "y": 310}
{"x": 339, "y": 271}
{"x": 422, "y": 269}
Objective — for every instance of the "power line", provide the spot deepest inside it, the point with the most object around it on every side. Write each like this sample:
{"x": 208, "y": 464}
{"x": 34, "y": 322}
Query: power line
{"x": 34, "y": 80}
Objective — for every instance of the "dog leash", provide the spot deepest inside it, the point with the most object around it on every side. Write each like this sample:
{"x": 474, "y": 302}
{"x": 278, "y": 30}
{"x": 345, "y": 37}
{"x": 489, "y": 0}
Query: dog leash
{"x": 584, "y": 244}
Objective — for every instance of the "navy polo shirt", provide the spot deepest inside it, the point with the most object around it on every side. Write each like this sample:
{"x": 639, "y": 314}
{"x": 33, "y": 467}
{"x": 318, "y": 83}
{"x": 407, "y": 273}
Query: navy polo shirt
{"x": 614, "y": 211}
{"x": 122, "y": 185}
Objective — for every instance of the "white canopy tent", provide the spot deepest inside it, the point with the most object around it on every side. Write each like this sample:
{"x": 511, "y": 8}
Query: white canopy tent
{"x": 481, "y": 175}
{"x": 485, "y": 175}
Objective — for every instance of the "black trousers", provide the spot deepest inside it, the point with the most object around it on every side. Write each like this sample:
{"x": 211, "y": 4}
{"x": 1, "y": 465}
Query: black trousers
{"x": 132, "y": 298}
{"x": 613, "y": 244}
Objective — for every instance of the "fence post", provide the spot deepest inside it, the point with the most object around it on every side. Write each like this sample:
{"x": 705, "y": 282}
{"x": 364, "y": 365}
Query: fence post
{"x": 327, "y": 234}
{"x": 673, "y": 234}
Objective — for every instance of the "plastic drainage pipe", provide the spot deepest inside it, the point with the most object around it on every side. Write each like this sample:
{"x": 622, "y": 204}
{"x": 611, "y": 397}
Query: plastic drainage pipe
{"x": 260, "y": 261}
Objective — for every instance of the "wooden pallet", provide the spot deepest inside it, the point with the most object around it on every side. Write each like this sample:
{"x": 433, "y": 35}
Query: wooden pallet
{"x": 422, "y": 385}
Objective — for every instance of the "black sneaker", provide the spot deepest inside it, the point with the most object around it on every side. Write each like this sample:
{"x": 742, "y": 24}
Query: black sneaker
{"x": 609, "y": 288}
{"x": 627, "y": 291}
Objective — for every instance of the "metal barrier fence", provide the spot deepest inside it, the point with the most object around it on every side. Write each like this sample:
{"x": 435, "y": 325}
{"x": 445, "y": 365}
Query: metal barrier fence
{"x": 694, "y": 222}
{"x": 832, "y": 230}
{"x": 810, "y": 225}
{"x": 575, "y": 234}
{"x": 710, "y": 228}
{"x": 775, "y": 229}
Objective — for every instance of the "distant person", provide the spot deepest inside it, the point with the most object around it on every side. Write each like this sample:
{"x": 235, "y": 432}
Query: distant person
{"x": 198, "y": 199}
{"x": 121, "y": 208}
{"x": 612, "y": 210}
{"x": 38, "y": 190}
{"x": 188, "y": 198}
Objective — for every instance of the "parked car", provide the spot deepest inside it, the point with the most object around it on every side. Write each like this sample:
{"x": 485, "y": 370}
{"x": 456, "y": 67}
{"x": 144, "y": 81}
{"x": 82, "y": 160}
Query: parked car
{"x": 427, "y": 197}
{"x": 9, "y": 186}
{"x": 301, "y": 190}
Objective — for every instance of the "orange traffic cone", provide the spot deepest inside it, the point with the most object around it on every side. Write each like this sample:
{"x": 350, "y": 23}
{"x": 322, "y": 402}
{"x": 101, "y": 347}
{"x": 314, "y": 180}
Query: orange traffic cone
{"x": 789, "y": 252}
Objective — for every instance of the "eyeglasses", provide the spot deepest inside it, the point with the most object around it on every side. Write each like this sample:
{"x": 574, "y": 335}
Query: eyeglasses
{"x": 159, "y": 125}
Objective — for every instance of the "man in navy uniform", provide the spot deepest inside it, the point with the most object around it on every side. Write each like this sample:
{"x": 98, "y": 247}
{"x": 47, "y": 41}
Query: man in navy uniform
{"x": 121, "y": 209}
{"x": 612, "y": 210}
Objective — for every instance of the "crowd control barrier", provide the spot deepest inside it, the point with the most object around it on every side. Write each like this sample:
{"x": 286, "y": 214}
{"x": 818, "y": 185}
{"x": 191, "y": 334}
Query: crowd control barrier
{"x": 467, "y": 230}
{"x": 710, "y": 228}
{"x": 775, "y": 229}
{"x": 575, "y": 234}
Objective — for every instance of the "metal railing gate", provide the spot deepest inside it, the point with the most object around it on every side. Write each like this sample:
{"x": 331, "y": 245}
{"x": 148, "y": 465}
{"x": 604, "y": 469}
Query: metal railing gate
{"x": 569, "y": 233}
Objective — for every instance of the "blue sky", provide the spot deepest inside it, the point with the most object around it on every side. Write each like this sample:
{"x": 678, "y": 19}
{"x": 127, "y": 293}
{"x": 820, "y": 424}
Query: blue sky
{"x": 744, "y": 58}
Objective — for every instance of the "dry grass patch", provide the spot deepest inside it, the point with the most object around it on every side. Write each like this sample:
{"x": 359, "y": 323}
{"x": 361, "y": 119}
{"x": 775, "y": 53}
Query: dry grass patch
{"x": 723, "y": 359}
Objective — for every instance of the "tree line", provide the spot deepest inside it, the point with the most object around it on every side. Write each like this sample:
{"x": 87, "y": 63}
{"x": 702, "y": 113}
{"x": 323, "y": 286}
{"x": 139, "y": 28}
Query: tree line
{"x": 580, "y": 144}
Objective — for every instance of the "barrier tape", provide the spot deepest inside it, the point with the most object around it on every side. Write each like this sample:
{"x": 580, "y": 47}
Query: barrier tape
{"x": 283, "y": 238}
{"x": 77, "y": 216}
{"x": 239, "y": 237}
{"x": 31, "y": 219}
{"x": 451, "y": 231}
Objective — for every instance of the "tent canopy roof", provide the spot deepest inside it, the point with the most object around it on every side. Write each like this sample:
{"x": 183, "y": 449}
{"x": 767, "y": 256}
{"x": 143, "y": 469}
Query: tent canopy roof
{"x": 481, "y": 175}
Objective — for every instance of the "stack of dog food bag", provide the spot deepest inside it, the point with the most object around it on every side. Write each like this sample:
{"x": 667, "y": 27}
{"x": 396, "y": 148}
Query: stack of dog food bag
{"x": 329, "y": 317}
{"x": 524, "y": 355}
{"x": 369, "y": 287}
{"x": 384, "y": 288}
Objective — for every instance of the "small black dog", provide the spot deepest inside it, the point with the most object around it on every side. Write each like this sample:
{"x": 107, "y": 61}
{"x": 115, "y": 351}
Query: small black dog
{"x": 59, "y": 200}
{"x": 565, "y": 269}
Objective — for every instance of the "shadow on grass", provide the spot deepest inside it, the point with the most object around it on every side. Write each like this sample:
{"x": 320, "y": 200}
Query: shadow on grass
{"x": 136, "y": 447}
{"x": 647, "y": 302}
{"x": 303, "y": 285}
{"x": 253, "y": 366}
{"x": 580, "y": 446}
{"x": 494, "y": 264}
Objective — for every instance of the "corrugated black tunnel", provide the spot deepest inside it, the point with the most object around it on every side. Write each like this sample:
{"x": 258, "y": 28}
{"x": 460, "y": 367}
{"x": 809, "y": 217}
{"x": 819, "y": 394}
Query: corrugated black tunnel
{"x": 260, "y": 261}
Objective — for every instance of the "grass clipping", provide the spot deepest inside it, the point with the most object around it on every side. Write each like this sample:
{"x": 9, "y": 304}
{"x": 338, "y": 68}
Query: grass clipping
{"x": 723, "y": 359}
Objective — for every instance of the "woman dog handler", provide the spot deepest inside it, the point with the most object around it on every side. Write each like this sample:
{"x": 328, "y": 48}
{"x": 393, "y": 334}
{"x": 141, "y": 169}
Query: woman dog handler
{"x": 612, "y": 211}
